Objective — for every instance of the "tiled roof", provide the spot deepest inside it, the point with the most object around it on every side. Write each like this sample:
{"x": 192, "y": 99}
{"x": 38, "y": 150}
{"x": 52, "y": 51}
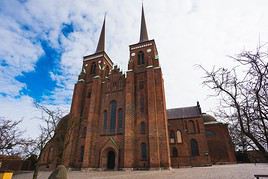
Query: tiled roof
{"x": 185, "y": 112}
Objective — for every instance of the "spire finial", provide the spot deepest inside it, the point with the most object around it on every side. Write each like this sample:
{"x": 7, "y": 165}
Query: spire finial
{"x": 143, "y": 32}
{"x": 101, "y": 43}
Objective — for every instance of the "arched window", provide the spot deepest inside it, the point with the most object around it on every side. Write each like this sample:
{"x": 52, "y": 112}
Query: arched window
{"x": 120, "y": 118}
{"x": 105, "y": 120}
{"x": 107, "y": 70}
{"x": 113, "y": 115}
{"x": 179, "y": 137}
{"x": 142, "y": 103}
{"x": 174, "y": 152}
{"x": 172, "y": 136}
{"x": 93, "y": 68}
{"x": 142, "y": 129}
{"x": 81, "y": 153}
{"x": 143, "y": 151}
{"x": 84, "y": 132}
{"x": 194, "y": 147}
{"x": 192, "y": 127}
{"x": 140, "y": 58}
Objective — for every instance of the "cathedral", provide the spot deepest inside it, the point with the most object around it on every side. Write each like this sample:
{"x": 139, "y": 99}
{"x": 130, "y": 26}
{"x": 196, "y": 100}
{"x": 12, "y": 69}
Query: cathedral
{"x": 119, "y": 121}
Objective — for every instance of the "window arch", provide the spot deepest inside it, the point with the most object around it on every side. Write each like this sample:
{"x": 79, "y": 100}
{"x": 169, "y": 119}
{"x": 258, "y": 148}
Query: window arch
{"x": 143, "y": 151}
{"x": 174, "y": 152}
{"x": 192, "y": 127}
{"x": 120, "y": 118}
{"x": 113, "y": 114}
{"x": 140, "y": 58}
{"x": 105, "y": 119}
{"x": 142, "y": 128}
{"x": 194, "y": 148}
{"x": 93, "y": 68}
{"x": 172, "y": 136}
{"x": 179, "y": 136}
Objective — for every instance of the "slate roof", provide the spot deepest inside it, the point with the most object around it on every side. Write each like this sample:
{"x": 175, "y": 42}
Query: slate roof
{"x": 185, "y": 112}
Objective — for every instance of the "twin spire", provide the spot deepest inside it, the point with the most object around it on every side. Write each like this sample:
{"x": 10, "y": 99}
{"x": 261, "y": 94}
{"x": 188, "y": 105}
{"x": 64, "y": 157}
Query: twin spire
{"x": 101, "y": 43}
{"x": 143, "y": 33}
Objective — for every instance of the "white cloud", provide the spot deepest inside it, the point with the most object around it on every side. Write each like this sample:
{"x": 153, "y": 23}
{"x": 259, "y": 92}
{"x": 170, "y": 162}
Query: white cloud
{"x": 187, "y": 33}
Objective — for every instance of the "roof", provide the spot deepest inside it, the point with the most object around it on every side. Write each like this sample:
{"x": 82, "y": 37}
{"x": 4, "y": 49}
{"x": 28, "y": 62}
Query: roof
{"x": 185, "y": 112}
{"x": 208, "y": 118}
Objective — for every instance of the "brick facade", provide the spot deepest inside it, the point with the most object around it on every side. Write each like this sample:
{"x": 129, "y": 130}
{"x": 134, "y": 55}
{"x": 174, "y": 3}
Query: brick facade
{"x": 119, "y": 120}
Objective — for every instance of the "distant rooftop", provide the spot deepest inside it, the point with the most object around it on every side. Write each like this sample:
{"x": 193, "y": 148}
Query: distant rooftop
{"x": 185, "y": 112}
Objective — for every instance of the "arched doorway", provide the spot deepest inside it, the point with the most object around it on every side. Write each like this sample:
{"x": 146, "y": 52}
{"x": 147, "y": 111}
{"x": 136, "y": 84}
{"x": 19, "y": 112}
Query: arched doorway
{"x": 110, "y": 160}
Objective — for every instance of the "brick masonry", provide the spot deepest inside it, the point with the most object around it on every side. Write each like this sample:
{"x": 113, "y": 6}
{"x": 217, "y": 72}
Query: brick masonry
{"x": 119, "y": 121}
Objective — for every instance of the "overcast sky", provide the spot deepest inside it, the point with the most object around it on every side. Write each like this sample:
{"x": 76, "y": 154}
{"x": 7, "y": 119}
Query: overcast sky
{"x": 43, "y": 42}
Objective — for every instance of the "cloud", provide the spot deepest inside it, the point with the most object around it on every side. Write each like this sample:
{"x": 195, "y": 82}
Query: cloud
{"x": 186, "y": 32}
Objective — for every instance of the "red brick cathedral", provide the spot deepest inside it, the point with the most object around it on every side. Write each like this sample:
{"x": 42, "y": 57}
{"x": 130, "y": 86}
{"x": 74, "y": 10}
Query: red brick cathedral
{"x": 120, "y": 121}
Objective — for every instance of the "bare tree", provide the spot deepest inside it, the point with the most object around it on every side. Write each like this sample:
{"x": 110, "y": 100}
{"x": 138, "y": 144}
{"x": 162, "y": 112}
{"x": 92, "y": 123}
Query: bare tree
{"x": 49, "y": 119}
{"x": 55, "y": 127}
{"x": 12, "y": 141}
{"x": 243, "y": 92}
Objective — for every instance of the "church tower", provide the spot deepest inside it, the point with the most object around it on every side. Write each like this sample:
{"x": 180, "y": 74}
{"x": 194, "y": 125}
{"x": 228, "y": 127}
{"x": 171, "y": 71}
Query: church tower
{"x": 146, "y": 131}
{"x": 86, "y": 105}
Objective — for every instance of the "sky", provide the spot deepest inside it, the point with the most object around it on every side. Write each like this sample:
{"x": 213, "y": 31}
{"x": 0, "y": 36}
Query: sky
{"x": 43, "y": 43}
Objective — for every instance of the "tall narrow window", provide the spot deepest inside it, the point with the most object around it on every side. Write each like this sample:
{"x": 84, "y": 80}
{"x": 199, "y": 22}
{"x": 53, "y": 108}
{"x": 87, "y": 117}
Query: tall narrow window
{"x": 140, "y": 58}
{"x": 141, "y": 84}
{"x": 142, "y": 103}
{"x": 179, "y": 137}
{"x": 105, "y": 120}
{"x": 113, "y": 115}
{"x": 143, "y": 151}
{"x": 84, "y": 132}
{"x": 194, "y": 147}
{"x": 192, "y": 127}
{"x": 93, "y": 68}
{"x": 81, "y": 153}
{"x": 172, "y": 136}
{"x": 174, "y": 152}
{"x": 142, "y": 129}
{"x": 120, "y": 118}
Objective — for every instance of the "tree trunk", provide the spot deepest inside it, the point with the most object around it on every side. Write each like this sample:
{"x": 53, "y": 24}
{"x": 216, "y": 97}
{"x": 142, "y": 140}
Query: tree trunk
{"x": 36, "y": 170}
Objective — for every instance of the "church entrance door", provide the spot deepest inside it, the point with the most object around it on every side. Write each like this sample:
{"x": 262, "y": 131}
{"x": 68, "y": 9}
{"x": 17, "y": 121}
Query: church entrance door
{"x": 110, "y": 160}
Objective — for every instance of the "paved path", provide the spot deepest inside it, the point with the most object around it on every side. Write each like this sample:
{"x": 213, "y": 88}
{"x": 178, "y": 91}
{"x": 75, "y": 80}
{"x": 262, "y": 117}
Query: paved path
{"x": 235, "y": 171}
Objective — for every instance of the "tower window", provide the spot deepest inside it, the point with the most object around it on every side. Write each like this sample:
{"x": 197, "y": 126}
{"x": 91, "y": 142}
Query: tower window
{"x": 141, "y": 84}
{"x": 143, "y": 151}
{"x": 142, "y": 128}
{"x": 120, "y": 118}
{"x": 194, "y": 148}
{"x": 89, "y": 94}
{"x": 113, "y": 115}
{"x": 140, "y": 58}
{"x": 84, "y": 132}
{"x": 142, "y": 103}
{"x": 81, "y": 153}
{"x": 93, "y": 68}
{"x": 105, "y": 120}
